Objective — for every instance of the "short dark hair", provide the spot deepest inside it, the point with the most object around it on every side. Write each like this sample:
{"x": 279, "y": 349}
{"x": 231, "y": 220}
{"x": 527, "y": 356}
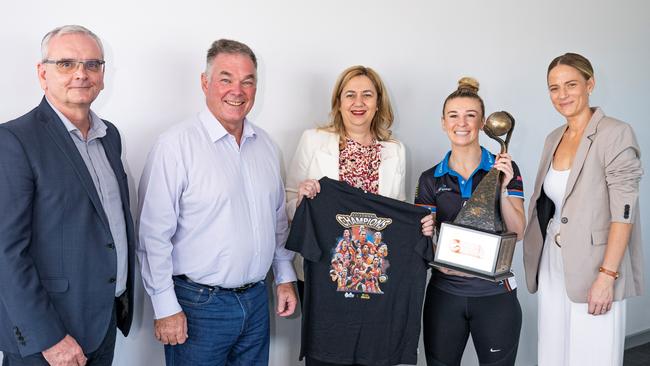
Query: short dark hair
{"x": 228, "y": 46}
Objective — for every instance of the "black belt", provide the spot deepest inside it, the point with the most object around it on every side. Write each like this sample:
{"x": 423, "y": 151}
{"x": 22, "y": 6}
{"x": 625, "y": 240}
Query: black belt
{"x": 239, "y": 289}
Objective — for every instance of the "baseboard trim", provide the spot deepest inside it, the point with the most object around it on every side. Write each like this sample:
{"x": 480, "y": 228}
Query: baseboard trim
{"x": 637, "y": 339}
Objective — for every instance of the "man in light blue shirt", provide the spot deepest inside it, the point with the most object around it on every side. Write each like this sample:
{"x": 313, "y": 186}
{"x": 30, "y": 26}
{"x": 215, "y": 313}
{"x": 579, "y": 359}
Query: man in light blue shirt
{"x": 212, "y": 223}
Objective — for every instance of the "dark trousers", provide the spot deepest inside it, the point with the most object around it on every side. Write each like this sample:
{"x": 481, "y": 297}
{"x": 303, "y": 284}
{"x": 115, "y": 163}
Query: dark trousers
{"x": 102, "y": 356}
{"x": 312, "y": 362}
{"x": 301, "y": 291}
{"x": 494, "y": 322}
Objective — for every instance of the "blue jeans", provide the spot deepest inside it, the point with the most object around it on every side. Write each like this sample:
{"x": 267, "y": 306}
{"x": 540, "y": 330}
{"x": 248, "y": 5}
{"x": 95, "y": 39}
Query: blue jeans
{"x": 224, "y": 327}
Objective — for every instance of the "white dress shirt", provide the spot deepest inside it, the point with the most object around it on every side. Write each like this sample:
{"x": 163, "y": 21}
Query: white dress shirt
{"x": 212, "y": 210}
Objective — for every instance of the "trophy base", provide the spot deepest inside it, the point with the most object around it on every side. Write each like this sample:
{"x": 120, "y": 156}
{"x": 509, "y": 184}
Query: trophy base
{"x": 493, "y": 278}
{"x": 480, "y": 253}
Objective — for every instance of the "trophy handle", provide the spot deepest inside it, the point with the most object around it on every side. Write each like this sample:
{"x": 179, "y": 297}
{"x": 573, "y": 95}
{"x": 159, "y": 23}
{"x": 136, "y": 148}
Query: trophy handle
{"x": 504, "y": 144}
{"x": 504, "y": 147}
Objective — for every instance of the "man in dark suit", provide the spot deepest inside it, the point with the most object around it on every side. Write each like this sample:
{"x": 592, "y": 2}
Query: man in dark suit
{"x": 66, "y": 233}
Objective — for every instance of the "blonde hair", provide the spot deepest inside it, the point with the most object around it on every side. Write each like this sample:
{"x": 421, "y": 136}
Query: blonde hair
{"x": 383, "y": 119}
{"x": 574, "y": 60}
{"x": 467, "y": 88}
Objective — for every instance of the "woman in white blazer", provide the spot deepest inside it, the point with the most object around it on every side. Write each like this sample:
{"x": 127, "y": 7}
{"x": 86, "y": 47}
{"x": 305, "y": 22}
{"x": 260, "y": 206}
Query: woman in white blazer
{"x": 582, "y": 247}
{"x": 356, "y": 147}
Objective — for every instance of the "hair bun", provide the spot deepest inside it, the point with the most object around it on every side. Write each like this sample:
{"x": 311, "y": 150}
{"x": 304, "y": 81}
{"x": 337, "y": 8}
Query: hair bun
{"x": 468, "y": 83}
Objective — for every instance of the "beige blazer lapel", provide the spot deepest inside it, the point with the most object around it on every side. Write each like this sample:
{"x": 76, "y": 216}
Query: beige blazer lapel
{"x": 581, "y": 154}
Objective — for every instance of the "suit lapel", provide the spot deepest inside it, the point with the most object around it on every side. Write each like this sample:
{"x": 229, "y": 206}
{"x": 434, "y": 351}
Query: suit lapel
{"x": 61, "y": 137}
{"x": 113, "y": 154}
{"x": 115, "y": 161}
{"x": 581, "y": 154}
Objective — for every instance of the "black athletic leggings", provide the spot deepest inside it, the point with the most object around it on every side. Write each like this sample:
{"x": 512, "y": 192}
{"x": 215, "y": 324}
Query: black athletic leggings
{"x": 312, "y": 362}
{"x": 494, "y": 322}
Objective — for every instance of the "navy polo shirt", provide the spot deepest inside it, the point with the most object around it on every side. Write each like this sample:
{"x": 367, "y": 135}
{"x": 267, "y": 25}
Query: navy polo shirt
{"x": 444, "y": 192}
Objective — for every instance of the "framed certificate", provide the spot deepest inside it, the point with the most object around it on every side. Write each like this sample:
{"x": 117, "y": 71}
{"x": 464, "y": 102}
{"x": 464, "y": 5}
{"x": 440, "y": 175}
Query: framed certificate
{"x": 480, "y": 253}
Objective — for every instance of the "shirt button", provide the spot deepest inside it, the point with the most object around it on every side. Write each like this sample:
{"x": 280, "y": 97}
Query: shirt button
{"x": 564, "y": 220}
{"x": 110, "y": 245}
{"x": 111, "y": 280}
{"x": 462, "y": 182}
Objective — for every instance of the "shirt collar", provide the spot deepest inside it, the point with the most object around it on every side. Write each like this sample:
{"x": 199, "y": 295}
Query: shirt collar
{"x": 215, "y": 129}
{"x": 487, "y": 160}
{"x": 97, "y": 126}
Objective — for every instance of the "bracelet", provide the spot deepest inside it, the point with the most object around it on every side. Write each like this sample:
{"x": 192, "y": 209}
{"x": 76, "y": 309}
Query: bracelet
{"x": 608, "y": 272}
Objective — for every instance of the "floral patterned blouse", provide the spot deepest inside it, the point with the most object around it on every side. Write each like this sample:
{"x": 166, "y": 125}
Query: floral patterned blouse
{"x": 359, "y": 165}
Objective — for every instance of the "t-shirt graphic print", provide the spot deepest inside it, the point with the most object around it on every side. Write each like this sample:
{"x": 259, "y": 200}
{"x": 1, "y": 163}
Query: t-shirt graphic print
{"x": 365, "y": 275}
{"x": 360, "y": 258}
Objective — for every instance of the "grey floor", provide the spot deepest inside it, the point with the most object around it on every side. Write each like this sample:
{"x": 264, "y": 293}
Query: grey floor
{"x": 637, "y": 356}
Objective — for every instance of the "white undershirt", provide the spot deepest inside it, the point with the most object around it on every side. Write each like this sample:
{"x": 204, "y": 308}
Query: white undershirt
{"x": 555, "y": 187}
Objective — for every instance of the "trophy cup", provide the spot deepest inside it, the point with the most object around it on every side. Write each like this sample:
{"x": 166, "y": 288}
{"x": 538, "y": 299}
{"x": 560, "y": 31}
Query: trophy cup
{"x": 478, "y": 241}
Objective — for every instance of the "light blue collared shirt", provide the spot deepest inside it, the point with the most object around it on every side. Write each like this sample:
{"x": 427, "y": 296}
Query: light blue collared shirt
{"x": 211, "y": 210}
{"x": 93, "y": 154}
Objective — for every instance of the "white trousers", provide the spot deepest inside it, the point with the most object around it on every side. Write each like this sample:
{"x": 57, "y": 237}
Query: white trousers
{"x": 568, "y": 334}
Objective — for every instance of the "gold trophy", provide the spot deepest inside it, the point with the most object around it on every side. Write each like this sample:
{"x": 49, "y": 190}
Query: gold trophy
{"x": 478, "y": 241}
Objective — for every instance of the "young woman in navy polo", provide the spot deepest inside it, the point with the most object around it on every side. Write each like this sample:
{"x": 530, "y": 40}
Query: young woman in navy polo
{"x": 456, "y": 304}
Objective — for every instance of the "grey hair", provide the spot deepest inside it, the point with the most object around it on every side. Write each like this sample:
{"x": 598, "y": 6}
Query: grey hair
{"x": 230, "y": 47}
{"x": 68, "y": 29}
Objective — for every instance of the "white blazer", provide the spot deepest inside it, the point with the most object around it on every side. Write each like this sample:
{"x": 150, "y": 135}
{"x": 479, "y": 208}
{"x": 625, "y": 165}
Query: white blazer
{"x": 317, "y": 156}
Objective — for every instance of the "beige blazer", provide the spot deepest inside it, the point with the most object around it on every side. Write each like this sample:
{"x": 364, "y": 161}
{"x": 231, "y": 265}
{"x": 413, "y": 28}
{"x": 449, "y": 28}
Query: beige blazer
{"x": 317, "y": 156}
{"x": 603, "y": 187}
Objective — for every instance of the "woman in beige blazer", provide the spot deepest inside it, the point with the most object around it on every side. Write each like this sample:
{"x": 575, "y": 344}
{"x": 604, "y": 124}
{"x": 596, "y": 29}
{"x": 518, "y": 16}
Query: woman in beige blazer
{"x": 582, "y": 247}
{"x": 356, "y": 147}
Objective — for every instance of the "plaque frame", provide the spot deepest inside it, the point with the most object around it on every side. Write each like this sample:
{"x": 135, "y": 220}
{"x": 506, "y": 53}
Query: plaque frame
{"x": 486, "y": 254}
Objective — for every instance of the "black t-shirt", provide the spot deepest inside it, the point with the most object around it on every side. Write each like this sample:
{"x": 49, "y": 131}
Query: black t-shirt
{"x": 444, "y": 192}
{"x": 365, "y": 274}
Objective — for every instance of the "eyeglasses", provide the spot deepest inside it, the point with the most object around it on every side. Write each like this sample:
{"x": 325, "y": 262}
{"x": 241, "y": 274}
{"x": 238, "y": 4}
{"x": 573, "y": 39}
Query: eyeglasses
{"x": 67, "y": 66}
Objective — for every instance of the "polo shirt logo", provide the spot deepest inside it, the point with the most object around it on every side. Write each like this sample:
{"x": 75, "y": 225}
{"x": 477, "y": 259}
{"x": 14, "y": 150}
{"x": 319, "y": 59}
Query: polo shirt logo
{"x": 443, "y": 188}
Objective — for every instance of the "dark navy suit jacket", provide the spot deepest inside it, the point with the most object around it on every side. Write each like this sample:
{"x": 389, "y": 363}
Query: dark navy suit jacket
{"x": 58, "y": 262}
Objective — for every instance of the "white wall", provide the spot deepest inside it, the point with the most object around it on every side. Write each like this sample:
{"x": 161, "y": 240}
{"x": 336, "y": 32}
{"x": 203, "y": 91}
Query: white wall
{"x": 156, "y": 50}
